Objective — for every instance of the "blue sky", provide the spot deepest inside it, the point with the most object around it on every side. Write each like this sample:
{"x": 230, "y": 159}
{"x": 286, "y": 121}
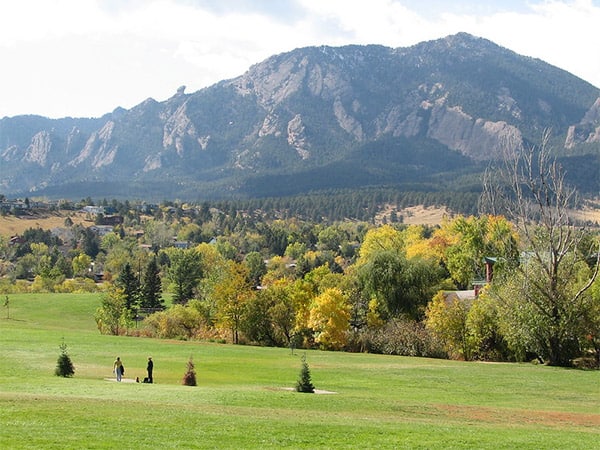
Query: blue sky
{"x": 84, "y": 58}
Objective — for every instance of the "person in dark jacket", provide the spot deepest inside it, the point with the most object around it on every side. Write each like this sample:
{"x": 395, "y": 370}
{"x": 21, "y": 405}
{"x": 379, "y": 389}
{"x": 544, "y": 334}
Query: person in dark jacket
{"x": 149, "y": 368}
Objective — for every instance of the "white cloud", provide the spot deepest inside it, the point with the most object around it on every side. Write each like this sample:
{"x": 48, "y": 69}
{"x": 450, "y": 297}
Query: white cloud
{"x": 85, "y": 57}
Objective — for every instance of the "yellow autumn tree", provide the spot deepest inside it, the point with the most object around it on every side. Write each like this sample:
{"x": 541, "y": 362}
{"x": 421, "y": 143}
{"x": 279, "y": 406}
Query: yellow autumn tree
{"x": 231, "y": 293}
{"x": 446, "y": 317}
{"x": 415, "y": 242}
{"x": 301, "y": 294}
{"x": 384, "y": 238}
{"x": 330, "y": 319}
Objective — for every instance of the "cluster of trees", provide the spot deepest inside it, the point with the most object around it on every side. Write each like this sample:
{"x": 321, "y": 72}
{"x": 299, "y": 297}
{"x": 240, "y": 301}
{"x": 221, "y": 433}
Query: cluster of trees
{"x": 347, "y": 285}
{"x": 363, "y": 288}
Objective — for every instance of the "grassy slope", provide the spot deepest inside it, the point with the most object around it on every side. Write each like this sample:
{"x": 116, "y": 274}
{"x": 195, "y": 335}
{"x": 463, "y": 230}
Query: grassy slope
{"x": 379, "y": 401}
{"x": 12, "y": 225}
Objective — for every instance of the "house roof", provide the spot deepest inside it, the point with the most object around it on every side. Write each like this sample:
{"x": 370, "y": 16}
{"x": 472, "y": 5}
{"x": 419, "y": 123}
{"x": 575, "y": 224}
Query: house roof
{"x": 460, "y": 295}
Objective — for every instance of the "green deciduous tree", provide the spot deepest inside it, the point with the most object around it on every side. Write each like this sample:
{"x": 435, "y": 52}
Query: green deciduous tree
{"x": 546, "y": 297}
{"x": 255, "y": 263}
{"x": 402, "y": 286}
{"x": 81, "y": 265}
{"x": 185, "y": 271}
{"x": 485, "y": 330}
{"x": 112, "y": 316}
{"x": 472, "y": 239}
{"x": 257, "y": 323}
{"x": 446, "y": 316}
{"x": 232, "y": 293}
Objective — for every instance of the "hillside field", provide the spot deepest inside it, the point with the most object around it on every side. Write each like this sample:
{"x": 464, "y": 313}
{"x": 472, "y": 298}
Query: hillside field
{"x": 413, "y": 215}
{"x": 12, "y": 225}
{"x": 244, "y": 397}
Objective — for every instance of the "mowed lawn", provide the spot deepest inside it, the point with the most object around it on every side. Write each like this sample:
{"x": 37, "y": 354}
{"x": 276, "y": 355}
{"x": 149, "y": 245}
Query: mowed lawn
{"x": 244, "y": 397}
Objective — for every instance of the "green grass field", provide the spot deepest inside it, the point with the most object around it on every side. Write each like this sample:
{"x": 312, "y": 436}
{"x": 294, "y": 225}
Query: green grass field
{"x": 243, "y": 398}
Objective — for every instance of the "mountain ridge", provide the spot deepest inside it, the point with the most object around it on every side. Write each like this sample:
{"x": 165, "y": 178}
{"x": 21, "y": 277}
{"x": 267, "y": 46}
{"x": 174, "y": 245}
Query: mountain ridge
{"x": 311, "y": 114}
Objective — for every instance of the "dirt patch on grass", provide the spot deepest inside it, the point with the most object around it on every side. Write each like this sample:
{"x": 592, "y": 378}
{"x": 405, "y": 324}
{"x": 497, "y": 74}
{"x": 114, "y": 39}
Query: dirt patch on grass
{"x": 317, "y": 391}
{"x": 123, "y": 380}
{"x": 555, "y": 419}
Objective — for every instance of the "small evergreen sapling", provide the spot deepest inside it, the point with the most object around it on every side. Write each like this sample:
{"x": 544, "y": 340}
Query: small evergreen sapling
{"x": 64, "y": 365}
{"x": 304, "y": 383}
{"x": 189, "y": 379}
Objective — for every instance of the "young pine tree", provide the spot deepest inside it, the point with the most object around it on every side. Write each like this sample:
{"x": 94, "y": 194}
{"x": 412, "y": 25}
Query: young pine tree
{"x": 189, "y": 379}
{"x": 304, "y": 383}
{"x": 64, "y": 365}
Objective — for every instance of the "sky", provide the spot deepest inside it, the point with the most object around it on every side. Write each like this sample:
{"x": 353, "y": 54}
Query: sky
{"x": 84, "y": 58}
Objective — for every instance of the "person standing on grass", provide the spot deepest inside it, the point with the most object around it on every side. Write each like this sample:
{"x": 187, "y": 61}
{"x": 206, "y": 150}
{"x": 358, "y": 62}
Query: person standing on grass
{"x": 118, "y": 368}
{"x": 149, "y": 368}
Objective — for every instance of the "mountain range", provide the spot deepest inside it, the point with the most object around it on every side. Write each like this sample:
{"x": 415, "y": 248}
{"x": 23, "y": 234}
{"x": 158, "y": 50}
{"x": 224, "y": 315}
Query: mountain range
{"x": 426, "y": 117}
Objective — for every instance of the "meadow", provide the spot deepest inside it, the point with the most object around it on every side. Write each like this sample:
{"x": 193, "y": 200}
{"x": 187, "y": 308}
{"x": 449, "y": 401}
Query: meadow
{"x": 244, "y": 398}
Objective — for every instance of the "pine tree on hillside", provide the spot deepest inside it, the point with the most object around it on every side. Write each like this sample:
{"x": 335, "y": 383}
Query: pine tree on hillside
{"x": 151, "y": 287}
{"x": 130, "y": 283}
{"x": 64, "y": 365}
{"x": 304, "y": 383}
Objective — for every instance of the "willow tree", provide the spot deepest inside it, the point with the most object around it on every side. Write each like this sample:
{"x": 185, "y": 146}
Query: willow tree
{"x": 547, "y": 297}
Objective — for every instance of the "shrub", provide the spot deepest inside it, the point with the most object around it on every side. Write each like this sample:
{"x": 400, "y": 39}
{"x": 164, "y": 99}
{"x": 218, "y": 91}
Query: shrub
{"x": 77, "y": 285}
{"x": 189, "y": 379}
{"x": 404, "y": 337}
{"x": 177, "y": 322}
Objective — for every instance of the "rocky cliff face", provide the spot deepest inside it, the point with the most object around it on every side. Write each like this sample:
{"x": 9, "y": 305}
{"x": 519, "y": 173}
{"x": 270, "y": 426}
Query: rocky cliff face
{"x": 310, "y": 108}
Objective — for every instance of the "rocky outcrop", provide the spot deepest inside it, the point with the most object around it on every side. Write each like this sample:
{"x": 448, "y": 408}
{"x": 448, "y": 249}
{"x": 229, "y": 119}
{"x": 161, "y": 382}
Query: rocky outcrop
{"x": 346, "y": 121}
{"x": 177, "y": 127}
{"x": 477, "y": 138}
{"x": 270, "y": 126}
{"x": 40, "y": 147}
{"x": 588, "y": 130}
{"x": 297, "y": 137}
{"x": 99, "y": 149}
